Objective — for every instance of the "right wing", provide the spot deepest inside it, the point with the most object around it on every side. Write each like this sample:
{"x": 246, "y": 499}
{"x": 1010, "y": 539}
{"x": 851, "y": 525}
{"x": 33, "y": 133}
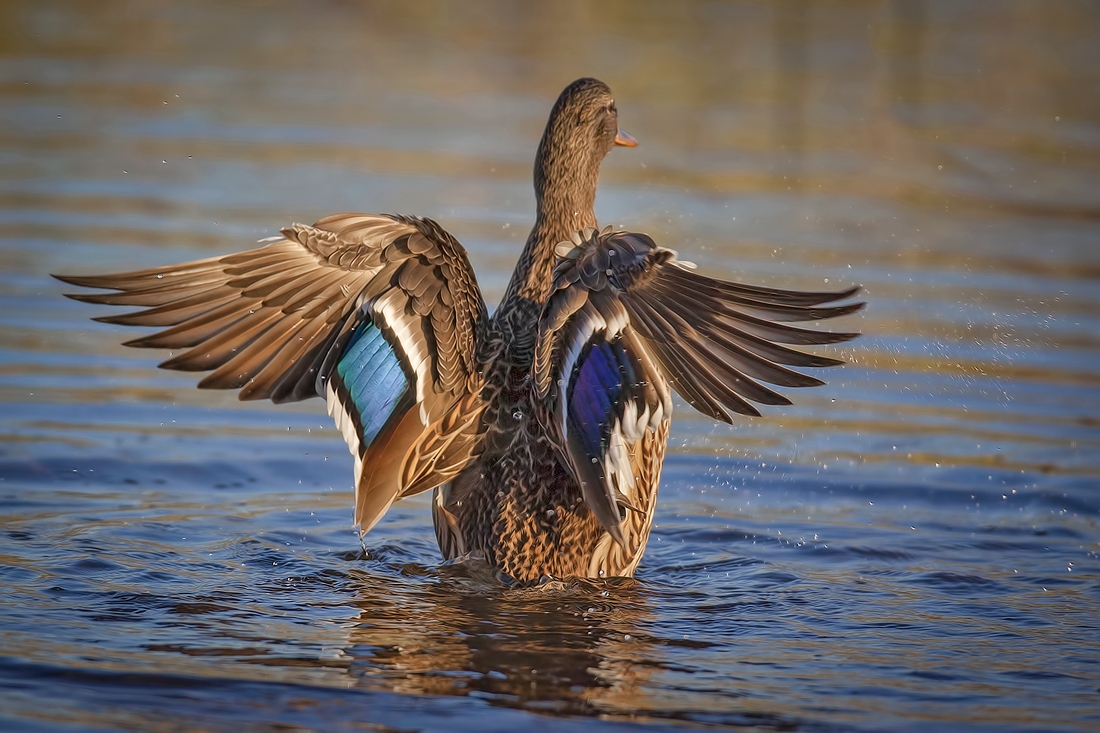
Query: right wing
{"x": 625, "y": 322}
{"x": 381, "y": 315}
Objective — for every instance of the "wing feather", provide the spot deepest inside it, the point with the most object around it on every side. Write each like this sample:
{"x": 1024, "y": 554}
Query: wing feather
{"x": 278, "y": 322}
{"x": 624, "y": 323}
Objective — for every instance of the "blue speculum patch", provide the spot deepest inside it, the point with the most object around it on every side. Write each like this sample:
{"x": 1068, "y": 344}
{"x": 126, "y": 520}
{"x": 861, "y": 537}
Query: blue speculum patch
{"x": 373, "y": 377}
{"x": 595, "y": 389}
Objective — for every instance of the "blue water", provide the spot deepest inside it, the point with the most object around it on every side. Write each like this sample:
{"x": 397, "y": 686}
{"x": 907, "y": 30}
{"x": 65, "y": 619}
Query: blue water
{"x": 913, "y": 546}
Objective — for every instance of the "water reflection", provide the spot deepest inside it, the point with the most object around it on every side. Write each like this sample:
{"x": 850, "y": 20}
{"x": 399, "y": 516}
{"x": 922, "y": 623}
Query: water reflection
{"x": 915, "y": 544}
{"x": 563, "y": 647}
{"x": 906, "y": 38}
{"x": 790, "y": 86}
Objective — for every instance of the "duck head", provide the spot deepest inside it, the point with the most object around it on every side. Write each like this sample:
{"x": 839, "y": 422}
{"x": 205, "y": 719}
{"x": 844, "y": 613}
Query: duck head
{"x": 582, "y": 129}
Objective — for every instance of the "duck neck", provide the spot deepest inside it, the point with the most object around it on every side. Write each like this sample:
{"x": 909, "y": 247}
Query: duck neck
{"x": 565, "y": 194}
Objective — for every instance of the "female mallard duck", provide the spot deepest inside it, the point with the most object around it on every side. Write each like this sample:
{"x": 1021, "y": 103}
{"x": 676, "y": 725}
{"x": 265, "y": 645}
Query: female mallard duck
{"x": 542, "y": 429}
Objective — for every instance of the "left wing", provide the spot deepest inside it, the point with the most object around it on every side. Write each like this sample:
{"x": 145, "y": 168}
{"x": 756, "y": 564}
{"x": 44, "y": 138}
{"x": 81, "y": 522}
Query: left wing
{"x": 626, "y": 322}
{"x": 381, "y": 315}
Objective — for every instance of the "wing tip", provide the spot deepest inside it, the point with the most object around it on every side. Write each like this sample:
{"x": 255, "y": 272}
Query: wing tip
{"x": 122, "y": 319}
{"x": 616, "y": 532}
{"x": 83, "y": 281}
{"x": 846, "y": 293}
{"x": 96, "y": 298}
{"x": 839, "y": 337}
{"x": 142, "y": 342}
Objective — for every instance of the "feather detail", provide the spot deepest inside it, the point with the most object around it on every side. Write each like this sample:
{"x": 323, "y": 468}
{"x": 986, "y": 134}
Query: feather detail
{"x": 625, "y": 321}
{"x": 378, "y": 314}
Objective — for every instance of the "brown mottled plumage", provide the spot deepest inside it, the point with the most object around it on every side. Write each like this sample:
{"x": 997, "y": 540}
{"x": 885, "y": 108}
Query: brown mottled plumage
{"x": 541, "y": 429}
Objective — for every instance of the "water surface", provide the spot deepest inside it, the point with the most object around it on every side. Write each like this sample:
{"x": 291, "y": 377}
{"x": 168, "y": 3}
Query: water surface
{"x": 912, "y": 546}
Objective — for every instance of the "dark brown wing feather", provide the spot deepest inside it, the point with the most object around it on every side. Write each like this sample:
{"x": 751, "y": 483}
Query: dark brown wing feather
{"x": 274, "y": 321}
{"x": 713, "y": 338}
{"x": 656, "y": 324}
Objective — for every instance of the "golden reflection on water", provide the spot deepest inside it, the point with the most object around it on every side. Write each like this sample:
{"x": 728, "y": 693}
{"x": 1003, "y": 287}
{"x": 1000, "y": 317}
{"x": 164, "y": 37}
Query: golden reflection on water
{"x": 558, "y": 647}
{"x": 877, "y": 142}
{"x": 944, "y": 155}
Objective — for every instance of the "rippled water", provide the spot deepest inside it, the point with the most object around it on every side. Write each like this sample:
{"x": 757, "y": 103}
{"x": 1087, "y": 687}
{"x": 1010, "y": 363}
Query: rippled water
{"x": 913, "y": 546}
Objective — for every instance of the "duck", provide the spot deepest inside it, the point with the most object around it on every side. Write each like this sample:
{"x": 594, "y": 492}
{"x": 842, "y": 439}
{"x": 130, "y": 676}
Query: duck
{"x": 540, "y": 429}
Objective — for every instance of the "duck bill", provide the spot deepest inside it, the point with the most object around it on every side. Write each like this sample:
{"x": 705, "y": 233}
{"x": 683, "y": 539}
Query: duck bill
{"x": 625, "y": 139}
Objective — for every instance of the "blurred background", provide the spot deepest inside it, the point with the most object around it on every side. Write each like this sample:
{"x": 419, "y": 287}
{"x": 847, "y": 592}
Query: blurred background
{"x": 914, "y": 543}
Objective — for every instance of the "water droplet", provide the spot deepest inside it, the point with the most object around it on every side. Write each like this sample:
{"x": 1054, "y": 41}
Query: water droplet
{"x": 550, "y": 513}
{"x": 160, "y": 277}
{"x": 517, "y": 415}
{"x": 602, "y": 572}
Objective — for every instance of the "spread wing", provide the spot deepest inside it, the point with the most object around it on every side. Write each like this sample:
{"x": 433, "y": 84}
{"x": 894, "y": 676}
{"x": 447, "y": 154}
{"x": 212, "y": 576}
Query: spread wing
{"x": 626, "y": 322}
{"x": 380, "y": 315}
